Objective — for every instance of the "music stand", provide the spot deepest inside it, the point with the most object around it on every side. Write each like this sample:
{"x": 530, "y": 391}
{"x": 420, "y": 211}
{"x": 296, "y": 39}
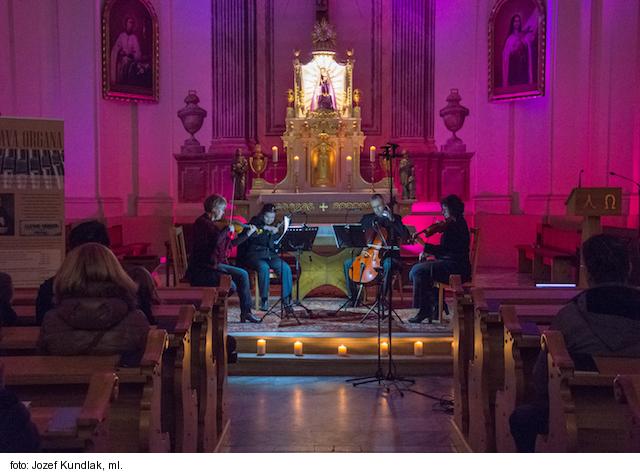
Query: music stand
{"x": 298, "y": 239}
{"x": 351, "y": 236}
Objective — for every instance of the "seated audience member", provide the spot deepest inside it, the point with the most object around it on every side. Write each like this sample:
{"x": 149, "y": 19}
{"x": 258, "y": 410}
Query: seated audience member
{"x": 8, "y": 316}
{"x": 96, "y": 310}
{"x": 147, "y": 291}
{"x": 91, "y": 231}
{"x": 17, "y": 433}
{"x": 602, "y": 320}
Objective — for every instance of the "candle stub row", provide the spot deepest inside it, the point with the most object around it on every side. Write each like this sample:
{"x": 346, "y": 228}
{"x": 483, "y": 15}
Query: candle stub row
{"x": 261, "y": 348}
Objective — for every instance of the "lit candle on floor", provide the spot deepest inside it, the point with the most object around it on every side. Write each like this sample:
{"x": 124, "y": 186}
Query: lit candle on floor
{"x": 342, "y": 350}
{"x": 418, "y": 348}
{"x": 372, "y": 154}
{"x": 274, "y": 154}
{"x": 262, "y": 347}
{"x": 297, "y": 348}
{"x": 384, "y": 349}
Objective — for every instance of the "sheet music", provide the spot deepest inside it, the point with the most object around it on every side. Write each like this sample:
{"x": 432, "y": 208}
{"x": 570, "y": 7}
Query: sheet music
{"x": 287, "y": 220}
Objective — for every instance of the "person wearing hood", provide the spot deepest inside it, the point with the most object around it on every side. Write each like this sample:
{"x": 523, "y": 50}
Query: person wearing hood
{"x": 602, "y": 320}
{"x": 96, "y": 310}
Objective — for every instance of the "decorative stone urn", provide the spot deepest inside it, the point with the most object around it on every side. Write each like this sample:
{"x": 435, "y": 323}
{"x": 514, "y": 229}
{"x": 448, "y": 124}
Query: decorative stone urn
{"x": 453, "y": 115}
{"x": 192, "y": 116}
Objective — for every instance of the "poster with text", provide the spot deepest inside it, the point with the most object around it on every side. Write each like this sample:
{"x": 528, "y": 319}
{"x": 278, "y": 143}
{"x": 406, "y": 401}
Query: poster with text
{"x": 32, "y": 236}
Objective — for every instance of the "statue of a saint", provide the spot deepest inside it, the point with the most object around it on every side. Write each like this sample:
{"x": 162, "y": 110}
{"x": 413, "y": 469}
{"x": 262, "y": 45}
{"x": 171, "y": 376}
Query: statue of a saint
{"x": 258, "y": 161}
{"x": 407, "y": 177}
{"x": 239, "y": 169}
{"x": 324, "y": 97}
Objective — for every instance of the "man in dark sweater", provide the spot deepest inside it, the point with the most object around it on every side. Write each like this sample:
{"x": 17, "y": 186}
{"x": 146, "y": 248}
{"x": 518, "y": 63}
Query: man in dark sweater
{"x": 259, "y": 253}
{"x": 603, "y": 320}
{"x": 211, "y": 244}
{"x": 451, "y": 257}
{"x": 372, "y": 223}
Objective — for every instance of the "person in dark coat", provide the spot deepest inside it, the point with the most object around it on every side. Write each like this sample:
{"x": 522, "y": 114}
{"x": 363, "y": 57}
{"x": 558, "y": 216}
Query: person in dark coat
{"x": 18, "y": 434}
{"x": 259, "y": 253}
{"x": 451, "y": 257}
{"x": 97, "y": 311}
{"x": 8, "y": 315}
{"x": 602, "y": 320}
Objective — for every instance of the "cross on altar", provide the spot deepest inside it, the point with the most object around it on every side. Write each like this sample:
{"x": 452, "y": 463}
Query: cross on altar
{"x": 323, "y": 207}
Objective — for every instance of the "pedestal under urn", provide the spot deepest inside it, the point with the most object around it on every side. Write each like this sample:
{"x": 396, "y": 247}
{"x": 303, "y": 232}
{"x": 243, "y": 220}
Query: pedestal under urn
{"x": 192, "y": 116}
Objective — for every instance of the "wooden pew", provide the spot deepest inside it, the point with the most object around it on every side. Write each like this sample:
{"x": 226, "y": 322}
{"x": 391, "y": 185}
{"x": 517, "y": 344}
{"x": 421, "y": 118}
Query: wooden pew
{"x": 627, "y": 391}
{"x": 136, "y": 417}
{"x": 523, "y": 326}
{"x": 584, "y": 415}
{"x": 79, "y": 428}
{"x": 486, "y": 369}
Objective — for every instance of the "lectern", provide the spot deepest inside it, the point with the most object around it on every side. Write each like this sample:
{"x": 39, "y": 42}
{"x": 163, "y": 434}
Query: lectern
{"x": 591, "y": 203}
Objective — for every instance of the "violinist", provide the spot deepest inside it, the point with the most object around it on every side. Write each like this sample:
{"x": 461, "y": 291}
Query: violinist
{"x": 259, "y": 252}
{"x": 212, "y": 240}
{"x": 451, "y": 257}
{"x": 373, "y": 223}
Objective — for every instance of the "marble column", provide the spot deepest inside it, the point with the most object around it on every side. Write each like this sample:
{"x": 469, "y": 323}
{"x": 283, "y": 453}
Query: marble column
{"x": 234, "y": 76}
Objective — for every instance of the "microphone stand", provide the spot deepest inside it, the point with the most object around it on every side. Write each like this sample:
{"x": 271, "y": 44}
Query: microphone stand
{"x": 637, "y": 184}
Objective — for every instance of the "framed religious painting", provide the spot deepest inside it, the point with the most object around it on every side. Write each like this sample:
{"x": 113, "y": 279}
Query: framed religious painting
{"x": 517, "y": 32}
{"x": 130, "y": 55}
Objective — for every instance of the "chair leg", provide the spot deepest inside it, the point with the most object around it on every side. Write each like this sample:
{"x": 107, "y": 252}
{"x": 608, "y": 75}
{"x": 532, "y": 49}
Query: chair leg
{"x": 256, "y": 290}
{"x": 440, "y": 302}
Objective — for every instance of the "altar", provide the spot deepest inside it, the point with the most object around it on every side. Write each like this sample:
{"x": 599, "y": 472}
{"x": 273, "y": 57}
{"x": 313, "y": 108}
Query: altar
{"x": 323, "y": 141}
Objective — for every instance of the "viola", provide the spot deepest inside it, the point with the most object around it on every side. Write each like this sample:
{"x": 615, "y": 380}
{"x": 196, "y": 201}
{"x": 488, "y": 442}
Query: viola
{"x": 436, "y": 227}
{"x": 366, "y": 265}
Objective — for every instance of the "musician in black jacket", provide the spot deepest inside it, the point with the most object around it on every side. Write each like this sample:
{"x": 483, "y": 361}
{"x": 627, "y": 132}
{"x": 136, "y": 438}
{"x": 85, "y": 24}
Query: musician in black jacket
{"x": 451, "y": 257}
{"x": 380, "y": 218}
{"x": 259, "y": 252}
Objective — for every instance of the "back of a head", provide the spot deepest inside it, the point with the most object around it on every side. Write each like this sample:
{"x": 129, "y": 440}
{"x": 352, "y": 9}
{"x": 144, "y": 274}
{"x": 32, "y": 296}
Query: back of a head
{"x": 607, "y": 259}
{"x": 147, "y": 290}
{"x": 87, "y": 265}
{"x": 91, "y": 231}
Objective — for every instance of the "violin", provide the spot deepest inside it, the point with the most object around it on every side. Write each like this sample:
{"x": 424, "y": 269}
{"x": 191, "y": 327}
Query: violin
{"x": 436, "y": 227}
{"x": 237, "y": 225}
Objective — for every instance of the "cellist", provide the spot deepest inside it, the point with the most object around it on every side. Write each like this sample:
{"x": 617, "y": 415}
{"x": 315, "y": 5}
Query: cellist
{"x": 451, "y": 257}
{"x": 380, "y": 219}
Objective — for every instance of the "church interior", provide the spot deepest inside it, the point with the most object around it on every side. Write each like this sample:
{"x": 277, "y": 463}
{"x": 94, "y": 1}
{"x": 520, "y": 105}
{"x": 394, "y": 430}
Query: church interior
{"x": 372, "y": 226}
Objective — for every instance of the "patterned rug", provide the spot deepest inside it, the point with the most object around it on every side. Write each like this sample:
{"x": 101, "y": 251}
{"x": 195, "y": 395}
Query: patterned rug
{"x": 324, "y": 317}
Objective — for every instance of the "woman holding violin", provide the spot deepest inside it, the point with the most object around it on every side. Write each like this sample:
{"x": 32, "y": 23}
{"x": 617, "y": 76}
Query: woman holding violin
{"x": 212, "y": 240}
{"x": 259, "y": 252}
{"x": 451, "y": 257}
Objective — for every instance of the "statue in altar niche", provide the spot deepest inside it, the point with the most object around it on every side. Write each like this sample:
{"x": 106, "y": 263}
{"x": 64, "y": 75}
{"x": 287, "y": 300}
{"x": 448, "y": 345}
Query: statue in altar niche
{"x": 407, "y": 177}
{"x": 323, "y": 160}
{"x": 324, "y": 97}
{"x": 239, "y": 169}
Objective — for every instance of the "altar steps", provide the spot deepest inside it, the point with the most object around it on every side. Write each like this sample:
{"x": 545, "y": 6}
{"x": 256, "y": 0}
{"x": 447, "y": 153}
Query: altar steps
{"x": 321, "y": 359}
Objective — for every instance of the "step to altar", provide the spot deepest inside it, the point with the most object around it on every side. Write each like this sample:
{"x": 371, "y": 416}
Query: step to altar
{"x": 320, "y": 354}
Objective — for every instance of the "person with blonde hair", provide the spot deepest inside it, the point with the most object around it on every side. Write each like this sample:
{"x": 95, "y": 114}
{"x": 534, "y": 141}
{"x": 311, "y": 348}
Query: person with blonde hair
{"x": 96, "y": 309}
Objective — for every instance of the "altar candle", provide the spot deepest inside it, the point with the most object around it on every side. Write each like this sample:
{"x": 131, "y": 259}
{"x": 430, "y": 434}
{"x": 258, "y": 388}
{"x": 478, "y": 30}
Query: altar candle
{"x": 342, "y": 350}
{"x": 296, "y": 160}
{"x": 372, "y": 154}
{"x": 274, "y": 153}
{"x": 297, "y": 348}
{"x": 384, "y": 349}
{"x": 418, "y": 348}
{"x": 349, "y": 165}
{"x": 262, "y": 347}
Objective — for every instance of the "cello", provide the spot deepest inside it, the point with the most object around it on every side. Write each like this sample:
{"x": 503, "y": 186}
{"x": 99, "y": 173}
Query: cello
{"x": 366, "y": 265}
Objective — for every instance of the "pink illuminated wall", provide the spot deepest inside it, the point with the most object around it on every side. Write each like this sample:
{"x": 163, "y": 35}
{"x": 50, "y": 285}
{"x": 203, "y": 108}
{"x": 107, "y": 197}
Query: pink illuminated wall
{"x": 528, "y": 152}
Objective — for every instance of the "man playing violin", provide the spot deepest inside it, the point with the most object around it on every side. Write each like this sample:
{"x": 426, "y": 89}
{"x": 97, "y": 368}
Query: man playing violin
{"x": 212, "y": 240}
{"x": 380, "y": 221}
{"x": 259, "y": 252}
{"x": 451, "y": 257}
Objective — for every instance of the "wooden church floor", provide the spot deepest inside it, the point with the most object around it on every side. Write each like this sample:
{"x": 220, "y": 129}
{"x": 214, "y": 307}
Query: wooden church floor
{"x": 326, "y": 414}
